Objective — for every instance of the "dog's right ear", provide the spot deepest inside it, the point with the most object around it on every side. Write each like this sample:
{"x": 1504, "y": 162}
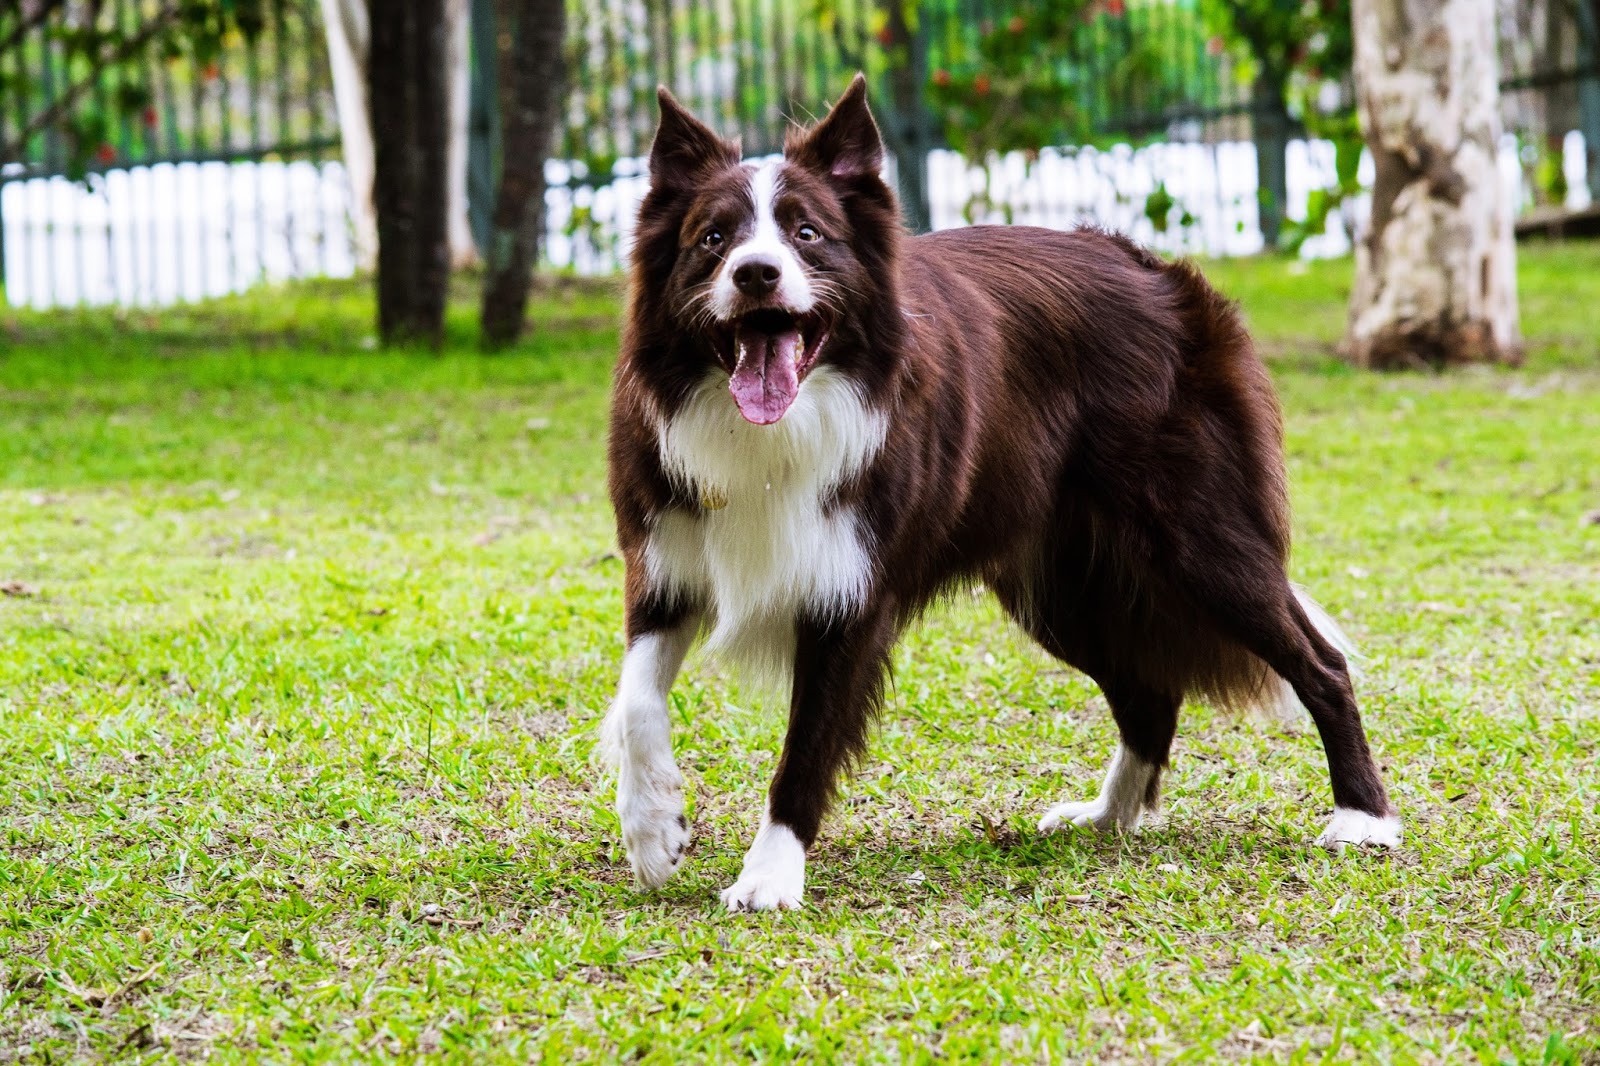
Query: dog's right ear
{"x": 686, "y": 149}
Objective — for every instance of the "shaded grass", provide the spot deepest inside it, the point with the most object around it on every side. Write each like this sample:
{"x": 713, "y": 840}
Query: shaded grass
{"x": 298, "y": 688}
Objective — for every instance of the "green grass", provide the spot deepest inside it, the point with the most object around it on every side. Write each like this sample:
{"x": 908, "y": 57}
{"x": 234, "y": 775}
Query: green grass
{"x": 300, "y": 676}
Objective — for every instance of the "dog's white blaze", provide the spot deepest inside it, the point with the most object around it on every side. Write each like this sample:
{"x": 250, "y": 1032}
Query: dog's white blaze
{"x": 636, "y": 739}
{"x": 1350, "y": 826}
{"x": 794, "y": 286}
{"x": 775, "y": 549}
{"x": 1120, "y": 804}
{"x": 774, "y": 873}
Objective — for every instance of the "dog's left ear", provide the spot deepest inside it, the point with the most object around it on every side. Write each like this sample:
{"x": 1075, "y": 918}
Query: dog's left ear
{"x": 846, "y": 143}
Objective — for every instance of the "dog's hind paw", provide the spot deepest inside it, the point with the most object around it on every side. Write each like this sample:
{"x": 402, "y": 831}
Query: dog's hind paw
{"x": 1350, "y": 826}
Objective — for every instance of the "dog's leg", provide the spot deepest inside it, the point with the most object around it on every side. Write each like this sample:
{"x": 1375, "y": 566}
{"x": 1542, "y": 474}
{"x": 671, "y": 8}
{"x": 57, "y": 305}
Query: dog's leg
{"x": 1362, "y": 813}
{"x": 839, "y": 670}
{"x": 637, "y": 740}
{"x": 1147, "y": 720}
{"x": 1263, "y": 613}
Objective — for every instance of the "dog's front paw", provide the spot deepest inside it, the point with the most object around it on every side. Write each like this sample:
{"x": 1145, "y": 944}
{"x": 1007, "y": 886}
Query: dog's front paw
{"x": 1094, "y": 814}
{"x": 774, "y": 874}
{"x": 1349, "y": 826}
{"x": 655, "y": 830}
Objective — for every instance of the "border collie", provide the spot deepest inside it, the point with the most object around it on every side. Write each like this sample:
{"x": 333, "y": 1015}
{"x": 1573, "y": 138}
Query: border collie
{"x": 820, "y": 423}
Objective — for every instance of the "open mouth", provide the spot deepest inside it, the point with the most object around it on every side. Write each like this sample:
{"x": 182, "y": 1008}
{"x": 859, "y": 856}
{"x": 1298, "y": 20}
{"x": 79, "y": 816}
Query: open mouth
{"x": 767, "y": 354}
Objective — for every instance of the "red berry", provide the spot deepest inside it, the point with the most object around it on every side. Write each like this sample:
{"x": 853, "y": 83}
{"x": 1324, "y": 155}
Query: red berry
{"x": 1214, "y": 46}
{"x": 150, "y": 118}
{"x": 941, "y": 77}
{"x": 1017, "y": 24}
{"x": 1115, "y": 8}
{"x": 211, "y": 71}
{"x": 981, "y": 84}
{"x": 105, "y": 153}
{"x": 886, "y": 37}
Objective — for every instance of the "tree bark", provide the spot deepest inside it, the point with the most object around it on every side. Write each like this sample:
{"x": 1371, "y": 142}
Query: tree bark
{"x": 1436, "y": 271}
{"x": 907, "y": 124}
{"x": 463, "y": 249}
{"x": 408, "y": 93}
{"x": 1588, "y": 15}
{"x": 1269, "y": 129}
{"x": 345, "y": 23}
{"x": 530, "y": 36}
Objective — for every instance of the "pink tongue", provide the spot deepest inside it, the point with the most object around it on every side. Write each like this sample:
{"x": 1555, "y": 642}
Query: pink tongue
{"x": 767, "y": 376}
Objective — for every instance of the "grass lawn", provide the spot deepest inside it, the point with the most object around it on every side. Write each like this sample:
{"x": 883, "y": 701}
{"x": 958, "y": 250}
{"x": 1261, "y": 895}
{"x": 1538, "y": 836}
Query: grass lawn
{"x": 304, "y": 646}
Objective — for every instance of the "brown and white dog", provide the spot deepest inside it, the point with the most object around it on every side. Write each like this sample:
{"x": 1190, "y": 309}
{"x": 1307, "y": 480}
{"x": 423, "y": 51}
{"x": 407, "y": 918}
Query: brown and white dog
{"x": 820, "y": 424}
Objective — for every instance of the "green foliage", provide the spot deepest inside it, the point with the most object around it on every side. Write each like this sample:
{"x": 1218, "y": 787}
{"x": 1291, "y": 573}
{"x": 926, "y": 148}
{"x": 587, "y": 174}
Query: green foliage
{"x": 306, "y": 647}
{"x": 101, "y": 58}
{"x": 1547, "y": 176}
{"x": 1164, "y": 211}
{"x": 1012, "y": 85}
{"x": 1283, "y": 41}
{"x": 1345, "y": 133}
{"x": 1300, "y": 53}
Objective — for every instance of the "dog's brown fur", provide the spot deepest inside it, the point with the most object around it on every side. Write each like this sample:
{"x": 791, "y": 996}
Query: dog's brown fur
{"x": 1077, "y": 423}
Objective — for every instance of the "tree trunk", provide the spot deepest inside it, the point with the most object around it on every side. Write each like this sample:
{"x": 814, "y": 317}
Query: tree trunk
{"x": 1589, "y": 91}
{"x": 530, "y": 37}
{"x": 1269, "y": 127}
{"x": 907, "y": 124}
{"x": 408, "y": 92}
{"x": 1436, "y": 271}
{"x": 463, "y": 249}
{"x": 345, "y": 23}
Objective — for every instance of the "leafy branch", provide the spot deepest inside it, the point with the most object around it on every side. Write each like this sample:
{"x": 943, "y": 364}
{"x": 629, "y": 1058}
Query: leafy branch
{"x": 120, "y": 53}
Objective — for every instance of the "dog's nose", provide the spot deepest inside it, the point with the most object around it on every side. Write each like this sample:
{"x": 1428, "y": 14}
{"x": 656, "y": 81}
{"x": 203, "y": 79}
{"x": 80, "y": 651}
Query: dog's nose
{"x": 757, "y": 276}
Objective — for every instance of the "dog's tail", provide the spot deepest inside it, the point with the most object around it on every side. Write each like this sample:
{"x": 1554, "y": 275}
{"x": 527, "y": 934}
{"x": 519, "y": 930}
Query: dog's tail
{"x": 1276, "y": 699}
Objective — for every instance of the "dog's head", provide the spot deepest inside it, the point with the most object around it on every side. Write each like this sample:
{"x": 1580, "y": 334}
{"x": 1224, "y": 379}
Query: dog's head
{"x": 767, "y": 270}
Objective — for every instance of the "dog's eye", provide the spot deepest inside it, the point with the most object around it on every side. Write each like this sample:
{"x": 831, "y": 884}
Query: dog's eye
{"x": 712, "y": 239}
{"x": 807, "y": 232}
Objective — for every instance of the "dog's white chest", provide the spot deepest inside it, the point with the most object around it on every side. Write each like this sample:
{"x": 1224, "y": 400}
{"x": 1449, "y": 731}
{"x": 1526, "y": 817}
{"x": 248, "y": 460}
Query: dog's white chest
{"x": 776, "y": 548}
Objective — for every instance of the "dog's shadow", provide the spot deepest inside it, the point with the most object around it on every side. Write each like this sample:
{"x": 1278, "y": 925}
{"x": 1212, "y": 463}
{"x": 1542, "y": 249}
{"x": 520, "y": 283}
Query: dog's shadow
{"x": 985, "y": 862}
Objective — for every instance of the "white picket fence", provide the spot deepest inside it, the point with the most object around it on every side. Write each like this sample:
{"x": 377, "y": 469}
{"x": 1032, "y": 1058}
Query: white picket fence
{"x": 152, "y": 236}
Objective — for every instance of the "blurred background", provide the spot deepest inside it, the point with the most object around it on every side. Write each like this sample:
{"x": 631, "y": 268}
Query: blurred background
{"x": 309, "y": 608}
{"x": 165, "y": 151}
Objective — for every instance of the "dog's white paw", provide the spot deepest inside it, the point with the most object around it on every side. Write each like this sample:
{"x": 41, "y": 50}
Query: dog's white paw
{"x": 1094, "y": 814}
{"x": 1350, "y": 826}
{"x": 655, "y": 830}
{"x": 1129, "y": 781}
{"x": 774, "y": 874}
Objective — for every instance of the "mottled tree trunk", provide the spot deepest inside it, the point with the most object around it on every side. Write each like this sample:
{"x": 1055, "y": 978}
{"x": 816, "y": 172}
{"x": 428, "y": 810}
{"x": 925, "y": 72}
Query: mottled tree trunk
{"x": 408, "y": 94}
{"x": 1436, "y": 269}
{"x": 530, "y": 34}
{"x": 458, "y": 16}
{"x": 345, "y": 22}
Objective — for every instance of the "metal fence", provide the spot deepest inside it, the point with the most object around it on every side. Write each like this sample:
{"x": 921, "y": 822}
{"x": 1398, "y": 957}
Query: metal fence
{"x": 752, "y": 66}
{"x": 227, "y": 176}
{"x": 231, "y": 174}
